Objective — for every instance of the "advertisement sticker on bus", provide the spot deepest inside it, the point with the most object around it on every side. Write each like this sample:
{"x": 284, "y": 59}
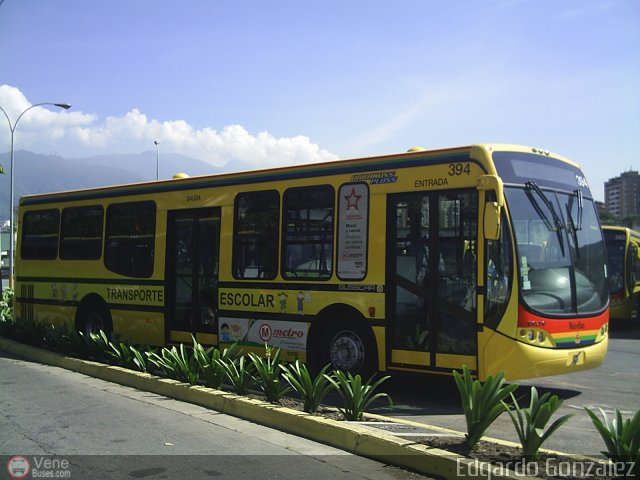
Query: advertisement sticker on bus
{"x": 255, "y": 332}
{"x": 353, "y": 231}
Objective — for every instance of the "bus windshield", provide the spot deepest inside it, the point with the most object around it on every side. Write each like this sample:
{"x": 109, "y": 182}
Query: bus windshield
{"x": 560, "y": 251}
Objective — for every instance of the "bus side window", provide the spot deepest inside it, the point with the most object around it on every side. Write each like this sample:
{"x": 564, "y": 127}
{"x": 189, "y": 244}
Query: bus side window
{"x": 255, "y": 234}
{"x": 498, "y": 273}
{"x": 307, "y": 245}
{"x": 81, "y": 233}
{"x": 130, "y": 238}
{"x": 40, "y": 233}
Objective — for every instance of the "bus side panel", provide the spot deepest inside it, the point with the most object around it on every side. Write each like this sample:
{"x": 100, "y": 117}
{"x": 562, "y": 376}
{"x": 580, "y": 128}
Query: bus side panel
{"x": 145, "y": 328}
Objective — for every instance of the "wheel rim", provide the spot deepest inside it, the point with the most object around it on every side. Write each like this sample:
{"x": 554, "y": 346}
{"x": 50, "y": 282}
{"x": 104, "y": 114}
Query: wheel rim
{"x": 346, "y": 351}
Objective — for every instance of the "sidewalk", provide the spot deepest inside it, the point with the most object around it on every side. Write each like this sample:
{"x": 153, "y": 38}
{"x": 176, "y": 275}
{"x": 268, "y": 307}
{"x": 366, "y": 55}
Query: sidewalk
{"x": 382, "y": 438}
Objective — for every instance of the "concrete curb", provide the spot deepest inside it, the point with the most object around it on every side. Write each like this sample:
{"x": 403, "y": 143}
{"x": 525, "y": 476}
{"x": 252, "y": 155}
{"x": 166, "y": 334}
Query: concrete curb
{"x": 346, "y": 436}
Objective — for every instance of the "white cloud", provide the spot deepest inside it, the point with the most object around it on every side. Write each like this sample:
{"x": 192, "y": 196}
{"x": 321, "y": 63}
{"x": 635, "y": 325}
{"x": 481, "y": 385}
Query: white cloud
{"x": 77, "y": 134}
{"x": 34, "y": 125}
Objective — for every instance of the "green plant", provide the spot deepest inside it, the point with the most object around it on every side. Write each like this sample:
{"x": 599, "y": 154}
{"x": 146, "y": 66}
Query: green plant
{"x": 357, "y": 396}
{"x": 311, "y": 390}
{"x": 621, "y": 437}
{"x": 68, "y": 342}
{"x": 138, "y": 359}
{"x": 6, "y": 305}
{"x": 55, "y": 338}
{"x": 530, "y": 422}
{"x": 238, "y": 372}
{"x": 124, "y": 355}
{"x": 73, "y": 342}
{"x": 269, "y": 372}
{"x": 481, "y": 402}
{"x": 120, "y": 354}
{"x": 211, "y": 372}
{"x": 97, "y": 346}
{"x": 30, "y": 332}
{"x": 176, "y": 363}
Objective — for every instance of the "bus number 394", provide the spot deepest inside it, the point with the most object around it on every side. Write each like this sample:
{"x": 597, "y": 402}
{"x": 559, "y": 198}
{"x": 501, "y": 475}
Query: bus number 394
{"x": 459, "y": 169}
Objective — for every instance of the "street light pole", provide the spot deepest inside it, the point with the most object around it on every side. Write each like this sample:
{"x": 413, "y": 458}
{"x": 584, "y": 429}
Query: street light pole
{"x": 157, "y": 143}
{"x": 12, "y": 128}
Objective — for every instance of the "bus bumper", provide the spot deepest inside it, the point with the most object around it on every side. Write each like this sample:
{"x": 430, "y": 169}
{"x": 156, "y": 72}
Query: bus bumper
{"x": 528, "y": 361}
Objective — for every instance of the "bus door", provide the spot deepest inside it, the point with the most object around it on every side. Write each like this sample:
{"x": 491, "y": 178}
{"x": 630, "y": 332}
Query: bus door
{"x": 431, "y": 279}
{"x": 193, "y": 244}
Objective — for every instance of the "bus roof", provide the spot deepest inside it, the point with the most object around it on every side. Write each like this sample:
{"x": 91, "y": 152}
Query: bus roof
{"x": 397, "y": 160}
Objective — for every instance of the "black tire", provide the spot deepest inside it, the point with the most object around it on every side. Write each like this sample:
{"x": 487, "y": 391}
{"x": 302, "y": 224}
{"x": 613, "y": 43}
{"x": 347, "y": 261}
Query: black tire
{"x": 351, "y": 348}
{"x": 94, "y": 317}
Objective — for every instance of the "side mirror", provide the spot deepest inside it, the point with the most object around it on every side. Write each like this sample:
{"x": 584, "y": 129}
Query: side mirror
{"x": 492, "y": 210}
{"x": 492, "y": 221}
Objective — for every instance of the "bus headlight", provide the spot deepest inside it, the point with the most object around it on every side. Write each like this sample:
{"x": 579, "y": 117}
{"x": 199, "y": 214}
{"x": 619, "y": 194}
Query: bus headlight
{"x": 531, "y": 335}
{"x": 541, "y": 337}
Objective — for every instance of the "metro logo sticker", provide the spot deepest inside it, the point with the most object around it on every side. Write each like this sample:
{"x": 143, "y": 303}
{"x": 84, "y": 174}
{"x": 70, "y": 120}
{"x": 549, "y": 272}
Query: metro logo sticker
{"x": 256, "y": 332}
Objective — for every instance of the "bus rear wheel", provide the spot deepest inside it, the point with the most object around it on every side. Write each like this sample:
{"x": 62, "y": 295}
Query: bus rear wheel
{"x": 352, "y": 349}
{"x": 94, "y": 317}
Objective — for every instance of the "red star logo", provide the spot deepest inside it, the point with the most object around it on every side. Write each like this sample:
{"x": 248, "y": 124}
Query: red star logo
{"x": 352, "y": 199}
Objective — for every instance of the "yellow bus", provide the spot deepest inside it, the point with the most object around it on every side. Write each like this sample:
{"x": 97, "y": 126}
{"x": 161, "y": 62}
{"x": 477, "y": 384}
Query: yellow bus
{"x": 486, "y": 255}
{"x": 623, "y": 260}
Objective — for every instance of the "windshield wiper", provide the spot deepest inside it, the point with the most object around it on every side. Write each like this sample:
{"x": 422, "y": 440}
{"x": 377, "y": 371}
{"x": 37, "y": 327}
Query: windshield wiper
{"x": 573, "y": 228}
{"x": 557, "y": 223}
{"x": 580, "y": 208}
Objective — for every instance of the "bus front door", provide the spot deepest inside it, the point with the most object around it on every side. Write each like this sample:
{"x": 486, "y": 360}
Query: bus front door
{"x": 193, "y": 241}
{"x": 431, "y": 280}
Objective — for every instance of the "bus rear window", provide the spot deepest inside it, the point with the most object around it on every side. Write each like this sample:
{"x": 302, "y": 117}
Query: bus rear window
{"x": 40, "y": 235}
{"x": 130, "y": 238}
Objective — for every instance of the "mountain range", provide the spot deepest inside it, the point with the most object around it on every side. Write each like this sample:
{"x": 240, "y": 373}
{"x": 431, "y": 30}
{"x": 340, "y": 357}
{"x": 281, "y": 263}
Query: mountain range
{"x": 37, "y": 173}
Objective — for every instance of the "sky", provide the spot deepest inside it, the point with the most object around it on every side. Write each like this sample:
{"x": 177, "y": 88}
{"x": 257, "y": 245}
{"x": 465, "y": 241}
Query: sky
{"x": 293, "y": 81}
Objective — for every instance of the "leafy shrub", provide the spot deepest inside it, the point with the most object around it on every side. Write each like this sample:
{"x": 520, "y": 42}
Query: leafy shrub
{"x": 530, "y": 422}
{"x": 212, "y": 373}
{"x": 356, "y": 396}
{"x": 311, "y": 390}
{"x": 621, "y": 437}
{"x": 124, "y": 355}
{"x": 176, "y": 364}
{"x": 269, "y": 374}
{"x": 6, "y": 305}
{"x": 482, "y": 402}
{"x": 139, "y": 361}
{"x": 238, "y": 372}
{"x": 31, "y": 333}
{"x": 96, "y": 346}
{"x": 58, "y": 339}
